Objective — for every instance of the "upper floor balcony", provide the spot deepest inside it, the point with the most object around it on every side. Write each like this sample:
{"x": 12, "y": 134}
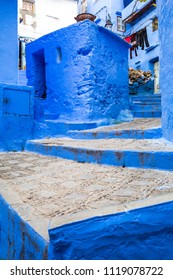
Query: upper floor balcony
{"x": 137, "y": 9}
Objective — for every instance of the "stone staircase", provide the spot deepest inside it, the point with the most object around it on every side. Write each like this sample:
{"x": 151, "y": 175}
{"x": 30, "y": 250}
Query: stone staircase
{"x": 146, "y": 106}
{"x": 131, "y": 170}
{"x": 136, "y": 144}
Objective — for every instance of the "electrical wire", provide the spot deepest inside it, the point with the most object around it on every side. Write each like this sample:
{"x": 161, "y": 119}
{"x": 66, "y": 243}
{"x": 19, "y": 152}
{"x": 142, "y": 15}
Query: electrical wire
{"x": 137, "y": 29}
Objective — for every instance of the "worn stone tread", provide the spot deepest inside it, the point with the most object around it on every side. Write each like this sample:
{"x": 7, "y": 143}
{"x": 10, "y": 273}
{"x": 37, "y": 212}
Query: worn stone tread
{"x": 48, "y": 192}
{"x": 110, "y": 144}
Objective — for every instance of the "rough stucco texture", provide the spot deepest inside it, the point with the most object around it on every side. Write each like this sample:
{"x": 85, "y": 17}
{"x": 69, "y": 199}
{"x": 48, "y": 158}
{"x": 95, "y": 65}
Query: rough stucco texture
{"x": 83, "y": 70}
{"x": 140, "y": 234}
{"x": 18, "y": 241}
{"x": 166, "y": 59}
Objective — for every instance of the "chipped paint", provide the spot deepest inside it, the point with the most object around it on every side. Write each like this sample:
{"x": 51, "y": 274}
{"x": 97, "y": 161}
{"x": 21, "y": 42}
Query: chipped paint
{"x": 18, "y": 240}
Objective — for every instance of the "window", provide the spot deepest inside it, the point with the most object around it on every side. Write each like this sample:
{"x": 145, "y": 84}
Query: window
{"x": 120, "y": 24}
{"x": 27, "y": 12}
{"x": 155, "y": 24}
{"x": 28, "y": 7}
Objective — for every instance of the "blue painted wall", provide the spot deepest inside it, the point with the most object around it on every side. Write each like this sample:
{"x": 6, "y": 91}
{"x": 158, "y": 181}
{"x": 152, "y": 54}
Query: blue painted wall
{"x": 16, "y": 102}
{"x": 76, "y": 73}
{"x": 16, "y": 116}
{"x": 18, "y": 241}
{"x": 127, "y": 2}
{"x": 9, "y": 42}
{"x": 166, "y": 59}
{"x": 142, "y": 234}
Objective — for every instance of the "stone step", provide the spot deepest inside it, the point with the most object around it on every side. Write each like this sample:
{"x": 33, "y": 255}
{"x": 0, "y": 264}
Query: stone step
{"x": 49, "y": 192}
{"x": 54, "y": 128}
{"x": 139, "y": 103}
{"x": 146, "y": 97}
{"x": 122, "y": 134}
{"x": 153, "y": 153}
{"x": 147, "y": 114}
{"x": 138, "y": 129}
{"x": 145, "y": 107}
{"x": 145, "y": 101}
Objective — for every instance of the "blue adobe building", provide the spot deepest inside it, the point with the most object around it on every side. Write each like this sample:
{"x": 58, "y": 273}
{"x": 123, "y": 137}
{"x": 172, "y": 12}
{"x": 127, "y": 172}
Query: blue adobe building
{"x": 80, "y": 80}
{"x": 85, "y": 93}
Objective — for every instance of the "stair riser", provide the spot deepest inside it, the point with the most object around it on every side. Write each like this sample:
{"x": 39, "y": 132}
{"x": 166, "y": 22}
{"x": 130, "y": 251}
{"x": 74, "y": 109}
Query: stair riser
{"x": 152, "y": 114}
{"x": 122, "y": 134}
{"x": 135, "y": 159}
{"x": 153, "y": 97}
{"x": 145, "y": 107}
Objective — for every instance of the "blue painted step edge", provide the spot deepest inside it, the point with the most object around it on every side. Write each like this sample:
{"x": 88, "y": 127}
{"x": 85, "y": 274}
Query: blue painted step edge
{"x": 125, "y": 134}
{"x": 138, "y": 159}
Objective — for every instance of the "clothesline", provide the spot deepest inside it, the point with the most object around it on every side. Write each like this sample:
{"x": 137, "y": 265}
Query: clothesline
{"x": 134, "y": 31}
{"x": 138, "y": 39}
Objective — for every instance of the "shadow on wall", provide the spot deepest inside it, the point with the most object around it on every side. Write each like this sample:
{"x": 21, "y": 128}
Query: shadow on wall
{"x": 39, "y": 66}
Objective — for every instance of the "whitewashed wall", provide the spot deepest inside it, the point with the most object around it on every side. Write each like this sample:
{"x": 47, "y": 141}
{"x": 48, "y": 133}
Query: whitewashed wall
{"x": 50, "y": 15}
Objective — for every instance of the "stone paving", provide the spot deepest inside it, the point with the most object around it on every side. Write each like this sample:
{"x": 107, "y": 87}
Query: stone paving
{"x": 48, "y": 192}
{"x": 141, "y": 124}
{"x": 111, "y": 144}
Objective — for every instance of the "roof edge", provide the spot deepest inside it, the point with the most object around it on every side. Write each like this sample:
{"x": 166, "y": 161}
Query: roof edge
{"x": 114, "y": 35}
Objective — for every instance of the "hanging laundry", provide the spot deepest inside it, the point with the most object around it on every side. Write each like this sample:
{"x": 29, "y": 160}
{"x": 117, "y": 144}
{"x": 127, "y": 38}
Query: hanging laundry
{"x": 142, "y": 38}
{"x": 128, "y": 39}
{"x": 132, "y": 40}
{"x": 138, "y": 39}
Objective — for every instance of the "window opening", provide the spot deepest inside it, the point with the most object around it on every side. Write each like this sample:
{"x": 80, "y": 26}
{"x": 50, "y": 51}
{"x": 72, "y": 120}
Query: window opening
{"x": 120, "y": 24}
{"x": 155, "y": 24}
{"x": 28, "y": 7}
{"x": 59, "y": 55}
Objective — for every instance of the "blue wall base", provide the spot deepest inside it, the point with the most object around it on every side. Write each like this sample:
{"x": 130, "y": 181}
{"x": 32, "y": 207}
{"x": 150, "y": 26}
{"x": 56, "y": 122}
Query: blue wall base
{"x": 141, "y": 234}
{"x": 18, "y": 240}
